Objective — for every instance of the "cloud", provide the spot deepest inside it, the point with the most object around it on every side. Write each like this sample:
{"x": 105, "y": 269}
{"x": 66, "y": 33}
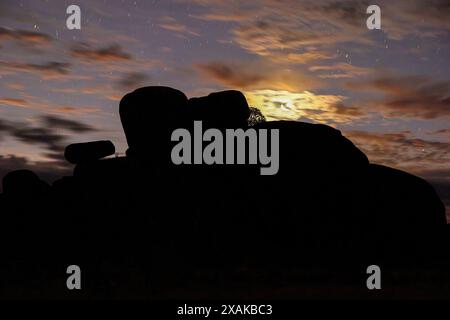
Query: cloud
{"x": 67, "y": 124}
{"x": 75, "y": 110}
{"x": 286, "y": 105}
{"x": 132, "y": 80}
{"x": 38, "y": 135}
{"x": 402, "y": 149}
{"x": 272, "y": 39}
{"x": 340, "y": 70}
{"x": 47, "y": 70}
{"x": 274, "y": 28}
{"x": 113, "y": 52}
{"x": 427, "y": 17}
{"x": 24, "y": 36}
{"x": 409, "y": 96}
{"x": 16, "y": 86}
{"x": 303, "y": 57}
{"x": 440, "y": 132}
{"x": 231, "y": 75}
{"x": 48, "y": 134}
{"x": 256, "y": 75}
{"x": 5, "y": 126}
{"x": 35, "y": 103}
{"x": 170, "y": 23}
{"x": 341, "y": 109}
{"x": 13, "y": 102}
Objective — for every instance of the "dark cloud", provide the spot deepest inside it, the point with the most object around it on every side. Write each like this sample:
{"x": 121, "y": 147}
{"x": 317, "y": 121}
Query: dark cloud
{"x": 113, "y": 52}
{"x": 132, "y": 80}
{"x": 442, "y": 131}
{"x": 230, "y": 75}
{"x": 349, "y": 11}
{"x": 344, "y": 110}
{"x": 47, "y": 135}
{"x": 52, "y": 142}
{"x": 23, "y": 35}
{"x": 37, "y": 135}
{"x": 51, "y": 68}
{"x": 5, "y": 126}
{"x": 409, "y": 96}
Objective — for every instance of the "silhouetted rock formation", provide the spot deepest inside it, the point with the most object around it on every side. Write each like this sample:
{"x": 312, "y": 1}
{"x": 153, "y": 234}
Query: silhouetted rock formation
{"x": 88, "y": 151}
{"x": 327, "y": 205}
{"x": 23, "y": 182}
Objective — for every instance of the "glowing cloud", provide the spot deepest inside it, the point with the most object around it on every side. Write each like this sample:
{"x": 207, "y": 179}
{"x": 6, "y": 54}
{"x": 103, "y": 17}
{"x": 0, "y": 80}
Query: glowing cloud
{"x": 287, "y": 105}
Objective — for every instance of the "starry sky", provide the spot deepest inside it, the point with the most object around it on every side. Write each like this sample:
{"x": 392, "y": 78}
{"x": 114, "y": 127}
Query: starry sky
{"x": 388, "y": 90}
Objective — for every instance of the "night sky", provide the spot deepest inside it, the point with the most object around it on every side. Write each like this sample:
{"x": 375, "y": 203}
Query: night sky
{"x": 388, "y": 90}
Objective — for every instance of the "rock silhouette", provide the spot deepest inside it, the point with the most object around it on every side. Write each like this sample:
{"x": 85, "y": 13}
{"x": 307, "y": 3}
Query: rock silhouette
{"x": 23, "y": 182}
{"x": 226, "y": 109}
{"x": 143, "y": 227}
{"x": 89, "y": 151}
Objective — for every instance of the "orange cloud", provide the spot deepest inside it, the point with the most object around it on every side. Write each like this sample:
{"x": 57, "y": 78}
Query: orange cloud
{"x": 13, "y": 102}
{"x": 169, "y": 23}
{"x": 256, "y": 75}
{"x": 23, "y": 35}
{"x": 112, "y": 52}
{"x": 409, "y": 96}
{"x": 48, "y": 69}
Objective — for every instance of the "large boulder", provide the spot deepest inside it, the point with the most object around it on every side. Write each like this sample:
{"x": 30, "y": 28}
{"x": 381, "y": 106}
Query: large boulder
{"x": 148, "y": 117}
{"x": 225, "y": 109}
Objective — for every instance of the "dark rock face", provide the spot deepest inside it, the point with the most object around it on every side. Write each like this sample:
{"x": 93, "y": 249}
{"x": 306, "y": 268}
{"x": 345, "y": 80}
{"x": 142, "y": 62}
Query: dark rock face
{"x": 88, "y": 151}
{"x": 149, "y": 115}
{"x": 326, "y": 205}
{"x": 21, "y": 182}
{"x": 315, "y": 149}
{"x": 226, "y": 109}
